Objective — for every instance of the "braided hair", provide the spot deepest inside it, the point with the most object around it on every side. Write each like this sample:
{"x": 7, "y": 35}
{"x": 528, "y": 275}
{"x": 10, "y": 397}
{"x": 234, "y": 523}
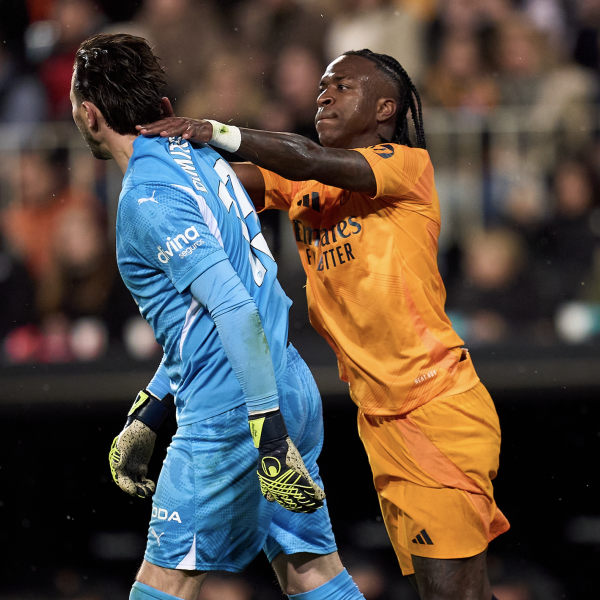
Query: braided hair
{"x": 407, "y": 93}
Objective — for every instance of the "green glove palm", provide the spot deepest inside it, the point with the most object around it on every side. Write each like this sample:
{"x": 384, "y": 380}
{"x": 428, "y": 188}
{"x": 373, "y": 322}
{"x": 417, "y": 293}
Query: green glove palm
{"x": 131, "y": 450}
{"x": 129, "y": 457}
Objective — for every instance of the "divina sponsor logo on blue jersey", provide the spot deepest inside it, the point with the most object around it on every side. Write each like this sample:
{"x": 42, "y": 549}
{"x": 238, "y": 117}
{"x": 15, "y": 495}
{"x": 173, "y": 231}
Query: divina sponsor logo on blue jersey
{"x": 181, "y": 244}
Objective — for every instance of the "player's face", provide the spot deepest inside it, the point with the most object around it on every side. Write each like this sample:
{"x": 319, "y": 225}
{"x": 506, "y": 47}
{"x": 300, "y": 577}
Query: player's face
{"x": 347, "y": 113}
{"x": 79, "y": 116}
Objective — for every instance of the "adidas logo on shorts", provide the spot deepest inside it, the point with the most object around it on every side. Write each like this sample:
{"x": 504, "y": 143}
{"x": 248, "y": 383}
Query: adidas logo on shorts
{"x": 423, "y": 538}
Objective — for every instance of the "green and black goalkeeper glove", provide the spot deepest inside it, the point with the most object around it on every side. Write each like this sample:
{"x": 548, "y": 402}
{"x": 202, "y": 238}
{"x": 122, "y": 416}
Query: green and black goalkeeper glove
{"x": 281, "y": 471}
{"x": 131, "y": 450}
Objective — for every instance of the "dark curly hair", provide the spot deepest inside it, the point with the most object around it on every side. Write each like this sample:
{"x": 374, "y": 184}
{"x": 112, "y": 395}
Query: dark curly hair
{"x": 407, "y": 94}
{"x": 120, "y": 75}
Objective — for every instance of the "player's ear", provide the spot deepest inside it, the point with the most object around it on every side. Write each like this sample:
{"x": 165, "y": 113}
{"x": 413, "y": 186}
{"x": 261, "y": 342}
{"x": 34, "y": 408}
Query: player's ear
{"x": 92, "y": 115}
{"x": 386, "y": 108}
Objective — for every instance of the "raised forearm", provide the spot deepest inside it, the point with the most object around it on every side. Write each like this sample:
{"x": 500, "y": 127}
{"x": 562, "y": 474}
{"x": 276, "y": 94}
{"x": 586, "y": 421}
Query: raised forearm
{"x": 299, "y": 159}
{"x": 291, "y": 156}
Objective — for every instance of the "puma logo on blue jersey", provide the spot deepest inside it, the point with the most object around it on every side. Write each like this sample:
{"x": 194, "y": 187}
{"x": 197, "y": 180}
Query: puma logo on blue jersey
{"x": 151, "y": 199}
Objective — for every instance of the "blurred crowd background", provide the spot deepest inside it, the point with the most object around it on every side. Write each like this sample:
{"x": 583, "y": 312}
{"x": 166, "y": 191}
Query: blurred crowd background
{"x": 510, "y": 89}
{"x": 511, "y": 94}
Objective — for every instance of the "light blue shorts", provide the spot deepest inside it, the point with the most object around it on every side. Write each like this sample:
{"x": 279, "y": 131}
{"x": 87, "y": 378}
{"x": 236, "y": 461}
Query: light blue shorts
{"x": 208, "y": 512}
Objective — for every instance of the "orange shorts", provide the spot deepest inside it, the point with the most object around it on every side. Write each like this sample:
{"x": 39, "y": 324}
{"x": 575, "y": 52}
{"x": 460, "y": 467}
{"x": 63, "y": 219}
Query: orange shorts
{"x": 433, "y": 471}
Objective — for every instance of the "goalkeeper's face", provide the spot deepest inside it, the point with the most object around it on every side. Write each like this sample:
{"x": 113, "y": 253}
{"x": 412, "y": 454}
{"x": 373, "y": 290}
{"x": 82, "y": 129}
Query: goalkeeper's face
{"x": 81, "y": 116}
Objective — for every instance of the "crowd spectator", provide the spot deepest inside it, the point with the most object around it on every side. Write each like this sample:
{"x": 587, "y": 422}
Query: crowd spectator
{"x": 17, "y": 291}
{"x": 533, "y": 76}
{"x": 381, "y": 26}
{"x": 296, "y": 71}
{"x": 587, "y": 29}
{"x": 257, "y": 63}
{"x": 40, "y": 196}
{"x": 496, "y": 296}
{"x": 189, "y": 38}
{"x": 74, "y": 20}
{"x": 571, "y": 236}
{"x": 458, "y": 80}
{"x": 227, "y": 93}
{"x": 22, "y": 96}
{"x": 84, "y": 280}
{"x": 264, "y": 28}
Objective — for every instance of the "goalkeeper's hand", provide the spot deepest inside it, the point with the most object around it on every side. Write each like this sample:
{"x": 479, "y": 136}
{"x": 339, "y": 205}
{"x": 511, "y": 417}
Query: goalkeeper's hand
{"x": 131, "y": 450}
{"x": 281, "y": 471}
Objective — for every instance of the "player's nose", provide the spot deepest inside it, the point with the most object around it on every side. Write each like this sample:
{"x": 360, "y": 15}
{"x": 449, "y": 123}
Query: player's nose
{"x": 325, "y": 99}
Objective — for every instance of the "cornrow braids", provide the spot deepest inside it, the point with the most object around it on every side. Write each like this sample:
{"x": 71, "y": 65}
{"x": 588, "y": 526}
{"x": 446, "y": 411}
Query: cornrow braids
{"x": 407, "y": 94}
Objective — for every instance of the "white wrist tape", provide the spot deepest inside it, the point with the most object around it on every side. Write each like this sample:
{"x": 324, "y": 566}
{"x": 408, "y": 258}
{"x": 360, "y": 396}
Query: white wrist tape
{"x": 227, "y": 137}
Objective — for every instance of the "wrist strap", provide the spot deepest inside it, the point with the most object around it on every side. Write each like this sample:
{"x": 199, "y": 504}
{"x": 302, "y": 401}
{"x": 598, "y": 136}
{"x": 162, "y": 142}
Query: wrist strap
{"x": 267, "y": 427}
{"x": 151, "y": 411}
{"x": 227, "y": 137}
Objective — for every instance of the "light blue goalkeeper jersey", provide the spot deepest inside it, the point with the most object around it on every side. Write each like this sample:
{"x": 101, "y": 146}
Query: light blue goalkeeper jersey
{"x": 182, "y": 210}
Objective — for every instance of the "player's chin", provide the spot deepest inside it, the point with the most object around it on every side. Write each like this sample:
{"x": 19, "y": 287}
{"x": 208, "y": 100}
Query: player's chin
{"x": 328, "y": 135}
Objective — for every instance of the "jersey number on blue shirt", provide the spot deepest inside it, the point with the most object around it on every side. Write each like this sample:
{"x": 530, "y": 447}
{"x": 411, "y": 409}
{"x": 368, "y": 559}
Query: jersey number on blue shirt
{"x": 227, "y": 174}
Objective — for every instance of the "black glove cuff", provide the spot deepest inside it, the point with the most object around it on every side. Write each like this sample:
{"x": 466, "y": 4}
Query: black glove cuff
{"x": 273, "y": 427}
{"x": 153, "y": 411}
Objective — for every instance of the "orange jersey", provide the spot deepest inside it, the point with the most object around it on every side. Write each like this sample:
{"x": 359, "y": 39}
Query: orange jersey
{"x": 374, "y": 290}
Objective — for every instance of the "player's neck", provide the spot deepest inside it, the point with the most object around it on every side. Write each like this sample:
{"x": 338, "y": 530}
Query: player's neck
{"x": 120, "y": 148}
{"x": 366, "y": 140}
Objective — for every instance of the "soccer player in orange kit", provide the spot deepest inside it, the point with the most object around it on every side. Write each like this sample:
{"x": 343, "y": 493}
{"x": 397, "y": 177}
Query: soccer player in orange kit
{"x": 366, "y": 218}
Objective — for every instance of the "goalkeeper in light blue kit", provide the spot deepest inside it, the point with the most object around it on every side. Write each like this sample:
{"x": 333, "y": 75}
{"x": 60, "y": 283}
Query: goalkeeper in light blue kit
{"x": 191, "y": 251}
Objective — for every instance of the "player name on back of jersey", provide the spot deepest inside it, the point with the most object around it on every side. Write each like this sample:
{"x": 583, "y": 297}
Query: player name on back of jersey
{"x": 179, "y": 147}
{"x": 341, "y": 251}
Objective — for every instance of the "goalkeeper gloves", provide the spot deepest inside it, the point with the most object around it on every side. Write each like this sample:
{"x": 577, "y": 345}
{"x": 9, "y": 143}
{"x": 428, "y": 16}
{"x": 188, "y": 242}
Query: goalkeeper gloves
{"x": 131, "y": 450}
{"x": 281, "y": 471}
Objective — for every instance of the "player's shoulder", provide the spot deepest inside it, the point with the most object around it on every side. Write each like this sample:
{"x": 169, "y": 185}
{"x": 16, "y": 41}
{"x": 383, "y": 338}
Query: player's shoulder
{"x": 151, "y": 198}
{"x": 390, "y": 151}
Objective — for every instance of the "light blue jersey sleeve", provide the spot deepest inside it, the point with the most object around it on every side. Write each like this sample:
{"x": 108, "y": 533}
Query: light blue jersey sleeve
{"x": 160, "y": 385}
{"x": 236, "y": 317}
{"x": 221, "y": 291}
{"x": 165, "y": 226}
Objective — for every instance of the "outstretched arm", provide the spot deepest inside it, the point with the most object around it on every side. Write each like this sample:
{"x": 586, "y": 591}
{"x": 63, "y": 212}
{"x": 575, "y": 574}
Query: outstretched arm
{"x": 291, "y": 156}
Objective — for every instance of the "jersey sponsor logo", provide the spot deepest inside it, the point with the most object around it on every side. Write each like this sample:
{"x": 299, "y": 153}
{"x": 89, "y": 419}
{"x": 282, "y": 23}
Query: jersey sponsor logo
{"x": 183, "y": 243}
{"x": 323, "y": 237}
{"x": 384, "y": 150}
{"x": 162, "y": 514}
{"x": 151, "y": 199}
{"x": 328, "y": 258}
{"x": 181, "y": 149}
{"x": 342, "y": 251}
